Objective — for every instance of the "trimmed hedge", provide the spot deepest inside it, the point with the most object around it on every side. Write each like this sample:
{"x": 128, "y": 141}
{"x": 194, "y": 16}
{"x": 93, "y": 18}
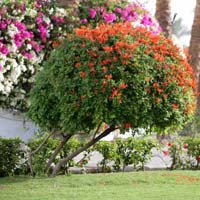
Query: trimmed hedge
{"x": 12, "y": 156}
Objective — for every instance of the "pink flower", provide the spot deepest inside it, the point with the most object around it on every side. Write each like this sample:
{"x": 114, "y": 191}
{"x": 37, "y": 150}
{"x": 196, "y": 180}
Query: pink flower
{"x": 36, "y": 46}
{"x": 100, "y": 9}
{"x": 3, "y": 25}
{"x": 83, "y": 21}
{"x": 93, "y": 13}
{"x": 58, "y": 19}
{"x": 20, "y": 26}
{"x": 109, "y": 17}
{"x": 166, "y": 152}
{"x": 3, "y": 49}
{"x": 39, "y": 20}
{"x": 146, "y": 21}
{"x": 118, "y": 10}
{"x": 27, "y": 55}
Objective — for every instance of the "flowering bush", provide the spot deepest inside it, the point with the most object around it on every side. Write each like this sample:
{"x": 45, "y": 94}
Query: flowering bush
{"x": 28, "y": 32}
{"x": 184, "y": 153}
{"x": 126, "y": 77}
{"x": 95, "y": 11}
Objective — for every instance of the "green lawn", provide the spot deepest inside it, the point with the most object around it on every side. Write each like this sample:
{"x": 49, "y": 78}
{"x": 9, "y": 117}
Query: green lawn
{"x": 161, "y": 185}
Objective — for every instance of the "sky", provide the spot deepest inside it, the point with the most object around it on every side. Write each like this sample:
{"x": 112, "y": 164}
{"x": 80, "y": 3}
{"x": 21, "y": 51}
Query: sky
{"x": 184, "y": 10}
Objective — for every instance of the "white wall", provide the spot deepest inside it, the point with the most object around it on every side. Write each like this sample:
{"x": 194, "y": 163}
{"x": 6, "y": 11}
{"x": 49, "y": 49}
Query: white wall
{"x": 16, "y": 126}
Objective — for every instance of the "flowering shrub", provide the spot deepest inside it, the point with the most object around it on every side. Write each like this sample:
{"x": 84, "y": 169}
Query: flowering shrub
{"x": 95, "y": 11}
{"x": 184, "y": 153}
{"x": 28, "y": 32}
{"x": 193, "y": 151}
{"x": 126, "y": 77}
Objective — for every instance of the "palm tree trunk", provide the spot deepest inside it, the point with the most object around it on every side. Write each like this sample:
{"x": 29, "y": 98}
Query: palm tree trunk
{"x": 163, "y": 16}
{"x": 194, "y": 48}
{"x": 81, "y": 149}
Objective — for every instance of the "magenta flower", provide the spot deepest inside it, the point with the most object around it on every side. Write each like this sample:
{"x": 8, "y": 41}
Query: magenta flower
{"x": 4, "y": 50}
{"x": 100, "y": 9}
{"x": 146, "y": 21}
{"x": 18, "y": 40}
{"x": 20, "y": 26}
{"x": 118, "y": 10}
{"x": 83, "y": 21}
{"x": 3, "y": 25}
{"x": 93, "y": 13}
{"x": 39, "y": 20}
{"x": 109, "y": 17}
{"x": 27, "y": 55}
{"x": 59, "y": 19}
{"x": 36, "y": 46}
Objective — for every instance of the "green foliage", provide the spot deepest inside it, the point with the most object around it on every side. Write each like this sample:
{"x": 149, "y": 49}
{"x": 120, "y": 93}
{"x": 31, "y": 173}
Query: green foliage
{"x": 134, "y": 152}
{"x": 178, "y": 155}
{"x": 185, "y": 153}
{"x": 115, "y": 74}
{"x": 12, "y": 156}
{"x": 124, "y": 152}
{"x": 108, "y": 151}
{"x": 193, "y": 151}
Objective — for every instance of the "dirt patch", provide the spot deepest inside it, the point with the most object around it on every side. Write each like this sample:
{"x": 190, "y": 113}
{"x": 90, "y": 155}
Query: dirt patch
{"x": 3, "y": 187}
{"x": 180, "y": 178}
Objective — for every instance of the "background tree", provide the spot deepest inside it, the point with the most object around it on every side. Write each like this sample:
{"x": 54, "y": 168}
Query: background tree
{"x": 194, "y": 48}
{"x": 163, "y": 16}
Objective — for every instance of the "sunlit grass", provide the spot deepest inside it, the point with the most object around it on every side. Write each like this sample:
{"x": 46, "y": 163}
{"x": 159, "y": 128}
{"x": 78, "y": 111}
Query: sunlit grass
{"x": 162, "y": 185}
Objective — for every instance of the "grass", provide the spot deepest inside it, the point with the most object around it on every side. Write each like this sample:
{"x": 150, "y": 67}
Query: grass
{"x": 157, "y": 185}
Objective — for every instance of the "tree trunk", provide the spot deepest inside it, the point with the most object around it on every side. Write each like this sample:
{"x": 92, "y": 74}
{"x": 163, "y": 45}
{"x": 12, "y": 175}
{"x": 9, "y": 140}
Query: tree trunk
{"x": 163, "y": 16}
{"x": 81, "y": 149}
{"x": 194, "y": 48}
{"x": 55, "y": 153}
{"x": 30, "y": 156}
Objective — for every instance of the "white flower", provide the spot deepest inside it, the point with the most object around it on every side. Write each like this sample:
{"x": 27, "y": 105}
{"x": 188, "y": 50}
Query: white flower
{"x": 31, "y": 12}
{"x": 47, "y": 20}
{"x": 3, "y": 59}
{"x": 60, "y": 12}
{"x": 12, "y": 30}
{"x": 1, "y": 87}
{"x": 1, "y": 77}
{"x": 28, "y": 47}
{"x": 51, "y": 11}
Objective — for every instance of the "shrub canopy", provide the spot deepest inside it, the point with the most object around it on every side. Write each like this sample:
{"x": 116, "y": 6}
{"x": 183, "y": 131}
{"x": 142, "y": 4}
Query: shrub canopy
{"x": 123, "y": 76}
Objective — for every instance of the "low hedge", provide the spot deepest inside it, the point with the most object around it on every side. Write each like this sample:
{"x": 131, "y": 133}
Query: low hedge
{"x": 12, "y": 156}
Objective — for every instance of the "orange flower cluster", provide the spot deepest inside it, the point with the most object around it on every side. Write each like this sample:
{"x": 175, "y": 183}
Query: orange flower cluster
{"x": 118, "y": 44}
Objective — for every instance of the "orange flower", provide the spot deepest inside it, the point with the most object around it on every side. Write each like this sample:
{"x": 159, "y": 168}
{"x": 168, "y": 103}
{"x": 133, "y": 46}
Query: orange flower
{"x": 127, "y": 125}
{"x": 147, "y": 79}
{"x": 104, "y": 69}
{"x": 56, "y": 44}
{"x": 122, "y": 86}
{"x": 108, "y": 76}
{"x": 107, "y": 48}
{"x": 77, "y": 65}
{"x": 91, "y": 64}
{"x": 175, "y": 106}
{"x": 82, "y": 74}
{"x": 158, "y": 100}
